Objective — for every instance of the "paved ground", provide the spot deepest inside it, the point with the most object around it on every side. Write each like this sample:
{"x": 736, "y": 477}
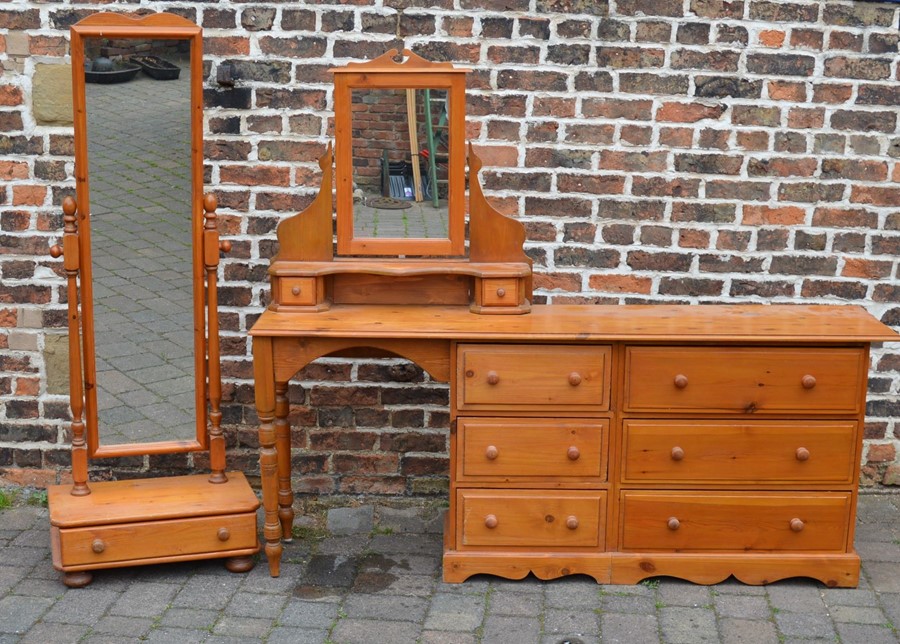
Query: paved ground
{"x": 139, "y": 158}
{"x": 378, "y": 588}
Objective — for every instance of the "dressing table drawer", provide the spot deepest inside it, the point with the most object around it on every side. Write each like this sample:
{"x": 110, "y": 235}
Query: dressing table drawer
{"x": 147, "y": 540}
{"x": 531, "y": 518}
{"x": 735, "y": 452}
{"x": 500, "y": 292}
{"x": 744, "y": 380}
{"x": 297, "y": 291}
{"x": 523, "y": 448}
{"x": 736, "y": 522}
{"x": 533, "y": 377}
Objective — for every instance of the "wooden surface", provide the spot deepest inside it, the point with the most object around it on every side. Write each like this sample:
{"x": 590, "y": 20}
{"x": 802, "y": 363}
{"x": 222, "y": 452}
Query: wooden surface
{"x": 573, "y": 323}
{"x": 171, "y": 497}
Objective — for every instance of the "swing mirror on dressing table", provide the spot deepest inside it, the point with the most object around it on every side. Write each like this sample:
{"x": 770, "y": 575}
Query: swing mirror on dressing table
{"x": 140, "y": 252}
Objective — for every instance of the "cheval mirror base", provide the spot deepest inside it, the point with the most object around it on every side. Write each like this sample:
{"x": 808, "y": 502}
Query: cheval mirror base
{"x": 144, "y": 372}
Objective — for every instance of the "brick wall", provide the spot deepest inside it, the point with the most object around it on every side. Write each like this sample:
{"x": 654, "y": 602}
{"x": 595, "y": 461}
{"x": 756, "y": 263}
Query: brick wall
{"x": 696, "y": 151}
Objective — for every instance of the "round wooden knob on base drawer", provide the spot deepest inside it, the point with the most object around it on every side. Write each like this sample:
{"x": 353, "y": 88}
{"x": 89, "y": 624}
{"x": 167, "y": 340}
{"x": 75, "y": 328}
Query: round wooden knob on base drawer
{"x": 573, "y": 453}
{"x": 501, "y": 292}
{"x": 673, "y": 523}
{"x": 574, "y": 378}
{"x": 493, "y": 377}
{"x": 802, "y": 454}
{"x": 797, "y": 525}
{"x": 98, "y": 546}
{"x": 808, "y": 381}
{"x": 680, "y": 381}
{"x": 223, "y": 534}
{"x": 490, "y": 522}
{"x": 677, "y": 453}
{"x": 491, "y": 452}
{"x": 572, "y": 522}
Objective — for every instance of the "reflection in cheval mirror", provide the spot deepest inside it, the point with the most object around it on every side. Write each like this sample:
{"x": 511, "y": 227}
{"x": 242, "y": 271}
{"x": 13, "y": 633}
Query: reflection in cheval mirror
{"x": 139, "y": 164}
{"x": 400, "y": 163}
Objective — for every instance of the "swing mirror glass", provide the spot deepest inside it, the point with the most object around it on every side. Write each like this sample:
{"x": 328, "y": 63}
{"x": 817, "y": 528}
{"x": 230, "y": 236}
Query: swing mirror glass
{"x": 400, "y": 158}
{"x": 400, "y": 163}
{"x": 142, "y": 300}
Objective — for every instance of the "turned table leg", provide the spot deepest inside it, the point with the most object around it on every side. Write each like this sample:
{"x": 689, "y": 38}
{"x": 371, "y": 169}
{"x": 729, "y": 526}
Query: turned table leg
{"x": 264, "y": 376}
{"x": 283, "y": 449}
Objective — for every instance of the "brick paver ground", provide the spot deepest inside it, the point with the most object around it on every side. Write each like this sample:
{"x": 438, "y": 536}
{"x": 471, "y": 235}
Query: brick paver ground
{"x": 378, "y": 588}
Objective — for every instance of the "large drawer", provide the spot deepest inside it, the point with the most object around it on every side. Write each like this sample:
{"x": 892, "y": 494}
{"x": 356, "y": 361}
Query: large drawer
{"x": 540, "y": 377}
{"x": 525, "y": 448}
{"x": 758, "y": 451}
{"x": 735, "y": 522}
{"x": 150, "y": 539}
{"x": 744, "y": 380}
{"x": 531, "y": 518}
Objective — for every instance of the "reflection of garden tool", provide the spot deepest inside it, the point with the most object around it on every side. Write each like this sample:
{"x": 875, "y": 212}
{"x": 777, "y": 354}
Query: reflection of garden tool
{"x": 413, "y": 141}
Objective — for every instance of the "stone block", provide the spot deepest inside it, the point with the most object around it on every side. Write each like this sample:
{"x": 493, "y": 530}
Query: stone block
{"x": 343, "y": 521}
{"x": 56, "y": 361}
{"x": 52, "y": 94}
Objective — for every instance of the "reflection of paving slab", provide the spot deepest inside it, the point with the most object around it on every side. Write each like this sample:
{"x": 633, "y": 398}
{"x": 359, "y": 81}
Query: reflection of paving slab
{"x": 140, "y": 183}
{"x": 420, "y": 221}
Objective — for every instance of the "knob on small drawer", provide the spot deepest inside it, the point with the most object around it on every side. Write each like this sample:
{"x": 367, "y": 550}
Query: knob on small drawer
{"x": 491, "y": 452}
{"x": 490, "y": 521}
{"x": 223, "y": 534}
{"x": 573, "y": 453}
{"x": 574, "y": 378}
{"x": 808, "y": 381}
{"x": 802, "y": 454}
{"x": 295, "y": 290}
{"x": 501, "y": 292}
{"x": 493, "y": 377}
{"x": 681, "y": 381}
{"x": 98, "y": 546}
{"x": 572, "y": 522}
{"x": 673, "y": 523}
{"x": 797, "y": 525}
{"x": 677, "y": 453}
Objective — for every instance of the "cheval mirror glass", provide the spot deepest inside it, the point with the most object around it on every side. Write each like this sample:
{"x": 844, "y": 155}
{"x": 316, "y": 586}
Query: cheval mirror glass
{"x": 139, "y": 194}
{"x": 399, "y": 157}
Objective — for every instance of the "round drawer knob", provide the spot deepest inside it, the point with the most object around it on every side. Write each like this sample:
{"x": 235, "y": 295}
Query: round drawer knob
{"x": 573, "y": 453}
{"x": 673, "y": 523}
{"x": 490, "y": 521}
{"x": 796, "y": 524}
{"x": 808, "y": 381}
{"x": 677, "y": 453}
{"x": 493, "y": 377}
{"x": 491, "y": 452}
{"x": 681, "y": 381}
{"x": 98, "y": 546}
{"x": 296, "y": 290}
{"x": 574, "y": 378}
{"x": 802, "y": 454}
{"x": 501, "y": 292}
{"x": 572, "y": 522}
{"x": 223, "y": 534}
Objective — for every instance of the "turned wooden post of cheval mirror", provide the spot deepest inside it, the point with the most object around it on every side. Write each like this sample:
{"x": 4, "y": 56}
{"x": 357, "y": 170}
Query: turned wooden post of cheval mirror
{"x": 70, "y": 255}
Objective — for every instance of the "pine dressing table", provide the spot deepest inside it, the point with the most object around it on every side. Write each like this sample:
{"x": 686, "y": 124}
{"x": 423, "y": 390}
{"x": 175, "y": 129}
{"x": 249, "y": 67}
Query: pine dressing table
{"x": 622, "y": 442}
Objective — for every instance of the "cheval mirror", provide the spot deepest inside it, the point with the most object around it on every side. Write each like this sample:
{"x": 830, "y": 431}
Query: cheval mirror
{"x": 140, "y": 251}
{"x": 402, "y": 212}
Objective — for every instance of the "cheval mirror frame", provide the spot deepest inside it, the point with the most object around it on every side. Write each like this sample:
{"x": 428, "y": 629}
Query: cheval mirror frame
{"x": 129, "y": 522}
{"x": 490, "y": 272}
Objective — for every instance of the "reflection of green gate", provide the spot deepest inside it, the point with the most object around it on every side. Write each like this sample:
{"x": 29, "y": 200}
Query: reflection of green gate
{"x": 430, "y": 129}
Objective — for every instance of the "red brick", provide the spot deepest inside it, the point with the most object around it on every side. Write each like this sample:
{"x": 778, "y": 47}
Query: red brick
{"x": 48, "y": 45}
{"x": 615, "y": 108}
{"x": 771, "y": 38}
{"x": 591, "y": 183}
{"x": 881, "y": 453}
{"x": 866, "y": 268}
{"x": 29, "y": 195}
{"x": 768, "y": 215}
{"x": 781, "y": 167}
{"x": 226, "y": 46}
{"x": 621, "y": 284}
{"x": 13, "y": 170}
{"x": 832, "y": 93}
{"x": 634, "y": 161}
{"x": 844, "y": 218}
{"x": 260, "y": 175}
{"x": 8, "y": 317}
{"x": 558, "y": 281}
{"x": 636, "y": 134}
{"x": 787, "y": 91}
{"x": 854, "y": 168}
{"x": 676, "y": 137}
{"x": 876, "y": 195}
{"x": 498, "y": 156}
{"x": 10, "y": 95}
{"x": 806, "y": 118}
{"x": 753, "y": 140}
{"x": 688, "y": 112}
{"x": 589, "y": 133}
{"x": 693, "y": 238}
